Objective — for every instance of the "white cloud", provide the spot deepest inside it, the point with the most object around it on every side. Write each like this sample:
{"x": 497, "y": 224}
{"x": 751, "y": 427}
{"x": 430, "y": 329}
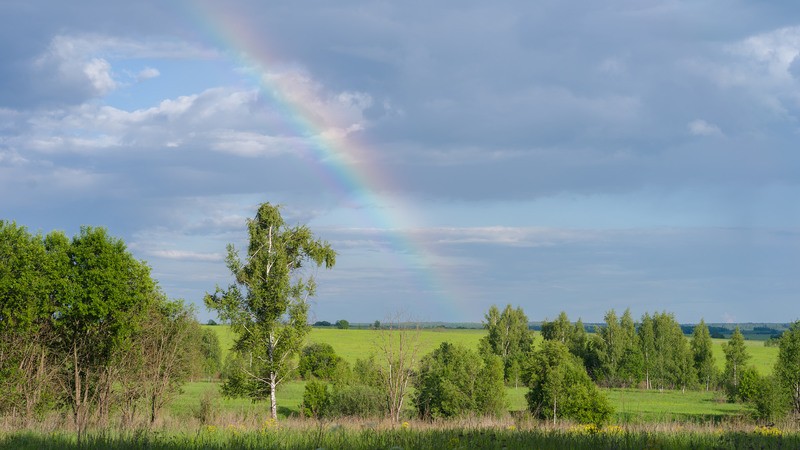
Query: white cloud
{"x": 700, "y": 127}
{"x": 186, "y": 255}
{"x": 98, "y": 71}
{"x": 147, "y": 73}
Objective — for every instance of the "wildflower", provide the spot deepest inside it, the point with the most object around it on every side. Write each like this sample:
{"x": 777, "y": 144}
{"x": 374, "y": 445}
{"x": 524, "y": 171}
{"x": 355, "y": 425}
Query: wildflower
{"x": 404, "y": 425}
{"x": 511, "y": 427}
{"x": 269, "y": 424}
{"x": 768, "y": 431}
{"x": 584, "y": 429}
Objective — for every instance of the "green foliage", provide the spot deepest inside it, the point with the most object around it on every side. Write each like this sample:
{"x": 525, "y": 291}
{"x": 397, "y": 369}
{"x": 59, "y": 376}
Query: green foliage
{"x": 453, "y": 382}
{"x": 26, "y": 280}
{"x": 665, "y": 354}
{"x": 561, "y": 388}
{"x": 769, "y": 399}
{"x": 749, "y": 384}
{"x": 573, "y": 336}
{"x": 319, "y": 360}
{"x": 99, "y": 300}
{"x": 356, "y": 400}
{"x": 617, "y": 356}
{"x": 508, "y": 336}
{"x": 703, "y": 354}
{"x": 316, "y": 399}
{"x": 267, "y": 307}
{"x": 787, "y": 368}
{"x": 342, "y": 324}
{"x": 211, "y": 352}
{"x": 736, "y": 358}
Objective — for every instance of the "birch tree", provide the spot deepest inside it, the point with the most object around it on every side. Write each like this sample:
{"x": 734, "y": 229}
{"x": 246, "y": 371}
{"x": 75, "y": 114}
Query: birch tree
{"x": 787, "y": 368}
{"x": 398, "y": 347}
{"x": 702, "y": 354}
{"x": 267, "y": 305}
{"x": 736, "y": 358}
{"x": 507, "y": 336}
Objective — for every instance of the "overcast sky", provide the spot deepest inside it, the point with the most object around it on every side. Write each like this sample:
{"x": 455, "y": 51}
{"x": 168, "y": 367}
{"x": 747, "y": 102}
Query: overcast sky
{"x": 557, "y": 155}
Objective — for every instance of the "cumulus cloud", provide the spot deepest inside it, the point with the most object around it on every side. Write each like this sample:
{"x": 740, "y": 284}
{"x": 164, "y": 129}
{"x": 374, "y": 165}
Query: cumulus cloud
{"x": 73, "y": 68}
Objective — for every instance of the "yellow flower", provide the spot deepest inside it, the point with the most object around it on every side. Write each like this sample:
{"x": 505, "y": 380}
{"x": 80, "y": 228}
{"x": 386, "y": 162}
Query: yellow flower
{"x": 511, "y": 427}
{"x": 613, "y": 429}
{"x": 584, "y": 429}
{"x": 404, "y": 425}
{"x": 210, "y": 429}
{"x": 768, "y": 431}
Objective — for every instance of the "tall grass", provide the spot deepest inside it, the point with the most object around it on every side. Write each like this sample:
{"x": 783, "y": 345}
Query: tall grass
{"x": 411, "y": 436}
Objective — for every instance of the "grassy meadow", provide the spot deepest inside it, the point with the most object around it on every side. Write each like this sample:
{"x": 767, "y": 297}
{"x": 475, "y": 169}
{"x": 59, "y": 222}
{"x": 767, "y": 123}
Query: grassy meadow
{"x": 644, "y": 419}
{"x": 631, "y": 405}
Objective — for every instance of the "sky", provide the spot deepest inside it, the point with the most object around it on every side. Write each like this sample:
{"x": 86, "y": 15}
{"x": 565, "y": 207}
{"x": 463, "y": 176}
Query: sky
{"x": 554, "y": 155}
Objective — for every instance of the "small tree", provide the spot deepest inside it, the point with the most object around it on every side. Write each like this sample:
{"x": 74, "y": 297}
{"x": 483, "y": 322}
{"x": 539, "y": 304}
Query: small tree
{"x": 319, "y": 360}
{"x": 647, "y": 345}
{"x": 342, "y": 324}
{"x": 26, "y": 369}
{"x": 398, "y": 347}
{"x": 316, "y": 399}
{"x": 267, "y": 307}
{"x": 702, "y": 354}
{"x": 99, "y": 301}
{"x": 736, "y": 358}
{"x": 560, "y": 387}
{"x": 453, "y": 381}
{"x": 507, "y": 336}
{"x": 169, "y": 341}
{"x": 211, "y": 352}
{"x": 787, "y": 368}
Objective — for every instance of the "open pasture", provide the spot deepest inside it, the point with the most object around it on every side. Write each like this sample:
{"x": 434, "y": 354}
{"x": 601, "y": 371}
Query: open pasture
{"x": 360, "y": 343}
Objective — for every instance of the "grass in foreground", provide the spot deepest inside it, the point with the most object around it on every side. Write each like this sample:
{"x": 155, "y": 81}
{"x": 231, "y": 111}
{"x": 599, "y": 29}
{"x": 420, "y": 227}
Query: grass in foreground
{"x": 406, "y": 436}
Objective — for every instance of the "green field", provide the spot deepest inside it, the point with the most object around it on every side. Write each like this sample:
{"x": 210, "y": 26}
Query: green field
{"x": 353, "y": 344}
{"x": 631, "y": 405}
{"x": 359, "y": 343}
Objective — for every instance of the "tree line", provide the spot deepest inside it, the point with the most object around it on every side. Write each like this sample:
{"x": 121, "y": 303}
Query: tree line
{"x": 83, "y": 327}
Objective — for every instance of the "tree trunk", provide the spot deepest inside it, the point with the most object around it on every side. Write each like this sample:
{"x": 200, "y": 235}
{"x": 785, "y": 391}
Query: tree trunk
{"x": 555, "y": 402}
{"x": 273, "y": 383}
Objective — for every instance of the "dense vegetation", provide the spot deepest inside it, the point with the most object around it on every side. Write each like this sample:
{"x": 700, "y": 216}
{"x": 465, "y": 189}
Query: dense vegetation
{"x": 84, "y": 329}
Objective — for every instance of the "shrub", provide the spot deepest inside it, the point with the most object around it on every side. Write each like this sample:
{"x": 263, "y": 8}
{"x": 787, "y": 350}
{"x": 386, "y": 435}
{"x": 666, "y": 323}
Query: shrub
{"x": 356, "y": 400}
{"x": 769, "y": 400}
{"x": 315, "y": 399}
{"x": 454, "y": 381}
{"x": 560, "y": 387}
{"x": 319, "y": 360}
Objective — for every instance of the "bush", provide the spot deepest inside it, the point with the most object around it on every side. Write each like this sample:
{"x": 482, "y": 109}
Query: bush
{"x": 454, "y": 381}
{"x": 769, "y": 399}
{"x": 315, "y": 399}
{"x": 560, "y": 387}
{"x": 319, "y": 360}
{"x": 356, "y": 400}
{"x": 342, "y": 324}
{"x": 211, "y": 352}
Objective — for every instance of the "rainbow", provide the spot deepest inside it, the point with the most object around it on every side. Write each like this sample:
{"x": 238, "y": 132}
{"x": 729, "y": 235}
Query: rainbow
{"x": 346, "y": 166}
